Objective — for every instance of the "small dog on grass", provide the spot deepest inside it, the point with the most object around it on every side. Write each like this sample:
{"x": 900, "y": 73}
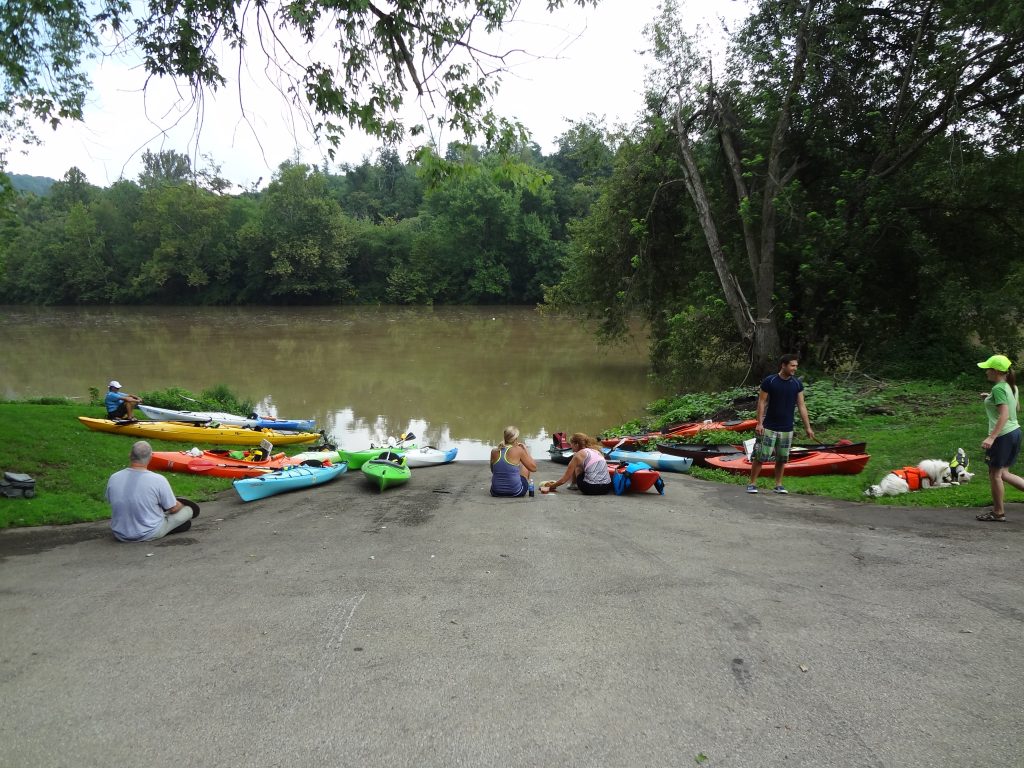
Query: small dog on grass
{"x": 930, "y": 473}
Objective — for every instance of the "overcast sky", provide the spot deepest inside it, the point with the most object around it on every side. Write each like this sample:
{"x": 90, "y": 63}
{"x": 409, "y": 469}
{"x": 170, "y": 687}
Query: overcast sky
{"x": 585, "y": 61}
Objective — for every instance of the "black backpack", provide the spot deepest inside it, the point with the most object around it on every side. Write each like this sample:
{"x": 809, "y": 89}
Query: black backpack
{"x": 17, "y": 486}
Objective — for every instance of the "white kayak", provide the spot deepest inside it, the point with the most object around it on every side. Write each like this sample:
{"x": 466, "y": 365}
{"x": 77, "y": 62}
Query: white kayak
{"x": 428, "y": 456}
{"x": 165, "y": 414}
{"x": 332, "y": 456}
{"x": 228, "y": 419}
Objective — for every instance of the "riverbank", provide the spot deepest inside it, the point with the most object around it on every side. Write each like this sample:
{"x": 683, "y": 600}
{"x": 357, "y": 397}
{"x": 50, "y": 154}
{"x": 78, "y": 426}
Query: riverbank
{"x": 903, "y": 423}
{"x": 437, "y": 626}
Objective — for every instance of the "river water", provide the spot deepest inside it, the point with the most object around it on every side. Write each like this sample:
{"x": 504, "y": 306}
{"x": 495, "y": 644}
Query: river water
{"x": 454, "y": 376}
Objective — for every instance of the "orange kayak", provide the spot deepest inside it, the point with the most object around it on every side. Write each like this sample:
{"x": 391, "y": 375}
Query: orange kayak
{"x": 681, "y": 430}
{"x": 216, "y": 464}
{"x": 799, "y": 465}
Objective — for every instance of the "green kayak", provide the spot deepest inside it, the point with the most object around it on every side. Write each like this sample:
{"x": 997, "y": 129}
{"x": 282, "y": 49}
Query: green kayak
{"x": 356, "y": 459}
{"x": 387, "y": 470}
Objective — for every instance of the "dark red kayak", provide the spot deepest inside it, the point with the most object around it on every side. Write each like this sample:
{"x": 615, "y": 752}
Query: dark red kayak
{"x": 679, "y": 430}
{"x": 700, "y": 453}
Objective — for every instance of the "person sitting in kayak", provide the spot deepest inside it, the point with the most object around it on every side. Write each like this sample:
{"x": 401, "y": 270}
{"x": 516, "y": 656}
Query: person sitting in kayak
{"x": 120, "y": 405}
{"x": 511, "y": 465}
{"x": 143, "y": 506}
{"x": 587, "y": 468}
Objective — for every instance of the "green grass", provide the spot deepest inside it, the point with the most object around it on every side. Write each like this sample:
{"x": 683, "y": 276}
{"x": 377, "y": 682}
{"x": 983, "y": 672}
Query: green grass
{"x": 71, "y": 464}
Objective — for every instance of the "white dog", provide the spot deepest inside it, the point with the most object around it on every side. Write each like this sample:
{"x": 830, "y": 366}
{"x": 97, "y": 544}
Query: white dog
{"x": 930, "y": 473}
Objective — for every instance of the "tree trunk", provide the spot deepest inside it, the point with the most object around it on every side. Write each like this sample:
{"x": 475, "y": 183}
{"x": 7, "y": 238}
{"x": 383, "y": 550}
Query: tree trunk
{"x": 764, "y": 351}
{"x": 738, "y": 305}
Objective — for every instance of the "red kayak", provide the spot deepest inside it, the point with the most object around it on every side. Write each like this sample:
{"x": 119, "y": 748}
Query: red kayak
{"x": 799, "y": 465}
{"x": 640, "y": 480}
{"x": 700, "y": 453}
{"x": 681, "y": 430}
{"x": 216, "y": 463}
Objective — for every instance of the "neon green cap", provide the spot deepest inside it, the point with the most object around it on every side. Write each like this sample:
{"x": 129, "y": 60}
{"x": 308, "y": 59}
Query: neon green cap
{"x": 999, "y": 362}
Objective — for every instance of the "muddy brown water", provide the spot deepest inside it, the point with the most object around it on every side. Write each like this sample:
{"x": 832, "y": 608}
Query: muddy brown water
{"x": 454, "y": 376}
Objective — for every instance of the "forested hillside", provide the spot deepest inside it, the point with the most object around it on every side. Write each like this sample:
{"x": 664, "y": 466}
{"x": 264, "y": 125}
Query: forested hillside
{"x": 38, "y": 185}
{"x": 491, "y": 229}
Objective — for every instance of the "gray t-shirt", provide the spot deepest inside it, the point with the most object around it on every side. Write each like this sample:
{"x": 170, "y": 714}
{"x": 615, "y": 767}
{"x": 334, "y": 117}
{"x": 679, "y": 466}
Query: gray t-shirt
{"x": 138, "y": 499}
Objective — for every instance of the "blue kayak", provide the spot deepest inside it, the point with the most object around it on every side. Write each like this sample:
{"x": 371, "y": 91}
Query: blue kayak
{"x": 663, "y": 462}
{"x": 287, "y": 479}
{"x": 283, "y": 425}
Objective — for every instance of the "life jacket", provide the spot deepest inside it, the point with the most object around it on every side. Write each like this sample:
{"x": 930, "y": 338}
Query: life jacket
{"x": 258, "y": 455}
{"x": 560, "y": 441}
{"x": 622, "y": 475}
{"x": 912, "y": 475}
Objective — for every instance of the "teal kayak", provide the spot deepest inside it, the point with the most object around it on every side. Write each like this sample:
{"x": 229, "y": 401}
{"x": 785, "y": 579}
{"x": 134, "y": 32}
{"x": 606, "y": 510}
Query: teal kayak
{"x": 387, "y": 470}
{"x": 287, "y": 479}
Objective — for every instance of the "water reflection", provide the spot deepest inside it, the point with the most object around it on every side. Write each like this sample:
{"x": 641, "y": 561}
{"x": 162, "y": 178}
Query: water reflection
{"x": 453, "y": 375}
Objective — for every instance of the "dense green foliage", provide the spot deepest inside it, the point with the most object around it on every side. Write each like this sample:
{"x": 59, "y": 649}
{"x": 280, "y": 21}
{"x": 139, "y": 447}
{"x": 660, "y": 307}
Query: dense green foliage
{"x": 493, "y": 232}
{"x": 851, "y": 182}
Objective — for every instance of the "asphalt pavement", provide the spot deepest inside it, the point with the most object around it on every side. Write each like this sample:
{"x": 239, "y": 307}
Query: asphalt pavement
{"x": 432, "y": 625}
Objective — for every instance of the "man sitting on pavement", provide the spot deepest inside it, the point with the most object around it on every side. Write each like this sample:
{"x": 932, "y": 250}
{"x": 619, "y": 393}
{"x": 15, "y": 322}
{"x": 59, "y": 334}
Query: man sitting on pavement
{"x": 142, "y": 503}
{"x": 120, "y": 405}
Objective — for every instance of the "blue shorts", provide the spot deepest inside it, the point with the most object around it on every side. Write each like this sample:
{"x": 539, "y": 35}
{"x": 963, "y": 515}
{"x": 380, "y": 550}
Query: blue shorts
{"x": 1004, "y": 451}
{"x": 522, "y": 491}
{"x": 772, "y": 443}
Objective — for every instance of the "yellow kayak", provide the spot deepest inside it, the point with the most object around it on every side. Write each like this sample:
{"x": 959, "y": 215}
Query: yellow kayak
{"x": 196, "y": 433}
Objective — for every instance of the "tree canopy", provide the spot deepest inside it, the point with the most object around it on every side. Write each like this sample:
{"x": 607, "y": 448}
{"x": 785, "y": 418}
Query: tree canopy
{"x": 803, "y": 196}
{"x": 821, "y": 103}
{"x": 352, "y": 63}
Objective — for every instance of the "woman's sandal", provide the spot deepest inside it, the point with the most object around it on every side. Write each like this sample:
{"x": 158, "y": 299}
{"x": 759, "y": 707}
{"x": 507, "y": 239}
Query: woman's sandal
{"x": 988, "y": 517}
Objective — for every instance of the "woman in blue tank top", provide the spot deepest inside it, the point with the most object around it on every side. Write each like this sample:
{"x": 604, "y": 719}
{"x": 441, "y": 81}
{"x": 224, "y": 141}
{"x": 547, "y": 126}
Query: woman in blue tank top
{"x": 511, "y": 465}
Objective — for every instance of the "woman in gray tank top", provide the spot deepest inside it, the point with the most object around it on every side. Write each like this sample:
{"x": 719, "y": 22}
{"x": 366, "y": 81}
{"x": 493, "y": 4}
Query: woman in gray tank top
{"x": 511, "y": 465}
{"x": 587, "y": 467}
